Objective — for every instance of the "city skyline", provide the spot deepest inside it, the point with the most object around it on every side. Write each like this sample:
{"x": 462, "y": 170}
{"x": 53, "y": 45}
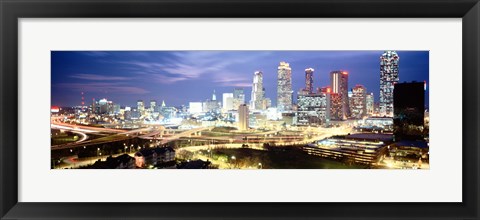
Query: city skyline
{"x": 177, "y": 77}
{"x": 289, "y": 121}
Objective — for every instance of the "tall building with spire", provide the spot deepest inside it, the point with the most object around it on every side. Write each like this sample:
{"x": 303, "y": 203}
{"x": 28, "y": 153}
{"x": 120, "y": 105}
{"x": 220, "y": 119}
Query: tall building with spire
{"x": 284, "y": 87}
{"x": 309, "y": 80}
{"x": 339, "y": 84}
{"x": 388, "y": 78}
{"x": 258, "y": 92}
{"x": 214, "y": 96}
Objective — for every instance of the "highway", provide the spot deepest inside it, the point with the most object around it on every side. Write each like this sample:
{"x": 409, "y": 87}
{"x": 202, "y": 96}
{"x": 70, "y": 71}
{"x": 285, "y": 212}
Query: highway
{"x": 117, "y": 135}
{"x": 83, "y": 138}
{"x": 84, "y": 128}
{"x": 184, "y": 134}
{"x": 321, "y": 133}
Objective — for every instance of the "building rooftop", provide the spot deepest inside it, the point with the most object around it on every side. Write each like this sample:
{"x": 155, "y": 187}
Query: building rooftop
{"x": 371, "y": 136}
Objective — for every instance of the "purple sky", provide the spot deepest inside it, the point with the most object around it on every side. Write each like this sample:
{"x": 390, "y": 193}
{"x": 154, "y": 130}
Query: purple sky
{"x": 179, "y": 77}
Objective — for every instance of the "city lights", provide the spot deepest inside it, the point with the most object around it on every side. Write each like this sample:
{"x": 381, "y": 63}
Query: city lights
{"x": 241, "y": 110}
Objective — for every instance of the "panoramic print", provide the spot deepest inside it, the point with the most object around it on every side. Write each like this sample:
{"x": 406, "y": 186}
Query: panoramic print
{"x": 239, "y": 109}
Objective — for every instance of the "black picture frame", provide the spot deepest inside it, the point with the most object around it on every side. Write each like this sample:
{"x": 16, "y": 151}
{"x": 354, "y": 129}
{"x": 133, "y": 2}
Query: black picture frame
{"x": 12, "y": 10}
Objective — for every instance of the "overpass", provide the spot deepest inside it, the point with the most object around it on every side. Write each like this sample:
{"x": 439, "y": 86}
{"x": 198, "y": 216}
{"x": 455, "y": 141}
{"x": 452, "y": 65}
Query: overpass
{"x": 117, "y": 135}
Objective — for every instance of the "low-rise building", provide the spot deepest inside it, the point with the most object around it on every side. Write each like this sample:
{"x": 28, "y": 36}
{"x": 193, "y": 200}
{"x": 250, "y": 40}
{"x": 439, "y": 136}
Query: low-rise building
{"x": 154, "y": 156}
{"x": 123, "y": 161}
{"x": 356, "y": 148}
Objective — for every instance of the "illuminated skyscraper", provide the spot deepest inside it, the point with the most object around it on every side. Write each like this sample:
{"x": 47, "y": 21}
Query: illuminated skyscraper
{"x": 284, "y": 87}
{"x": 258, "y": 92}
{"x": 370, "y": 104}
{"x": 359, "y": 101}
{"x": 335, "y": 105}
{"x": 153, "y": 105}
{"x": 267, "y": 103}
{"x": 214, "y": 96}
{"x": 350, "y": 101}
{"x": 309, "y": 80}
{"x": 243, "y": 117}
{"x": 195, "y": 107}
{"x": 103, "y": 106}
{"x": 238, "y": 97}
{"x": 94, "y": 106}
{"x": 388, "y": 77}
{"x": 127, "y": 113}
{"x": 339, "y": 84}
{"x": 227, "y": 101}
{"x": 211, "y": 106}
{"x": 312, "y": 108}
{"x": 140, "y": 106}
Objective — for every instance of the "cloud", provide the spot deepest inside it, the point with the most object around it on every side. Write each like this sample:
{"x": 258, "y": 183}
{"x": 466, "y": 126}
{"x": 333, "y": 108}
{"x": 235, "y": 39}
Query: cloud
{"x": 233, "y": 81}
{"x": 191, "y": 65}
{"x": 114, "y": 88}
{"x": 96, "y": 77}
{"x": 167, "y": 79}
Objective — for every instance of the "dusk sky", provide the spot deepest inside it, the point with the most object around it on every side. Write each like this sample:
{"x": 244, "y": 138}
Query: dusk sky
{"x": 179, "y": 77}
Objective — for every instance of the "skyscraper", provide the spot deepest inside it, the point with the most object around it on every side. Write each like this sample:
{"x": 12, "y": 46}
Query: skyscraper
{"x": 243, "y": 117}
{"x": 195, "y": 107}
{"x": 258, "y": 92}
{"x": 103, "y": 106}
{"x": 94, "y": 106}
{"x": 388, "y": 77}
{"x": 409, "y": 110}
{"x": 140, "y": 106}
{"x": 370, "y": 104}
{"x": 339, "y": 84}
{"x": 359, "y": 101}
{"x": 335, "y": 107}
{"x": 153, "y": 105}
{"x": 284, "y": 87}
{"x": 309, "y": 80}
{"x": 214, "y": 96}
{"x": 350, "y": 102}
{"x": 227, "y": 101}
{"x": 238, "y": 97}
{"x": 312, "y": 108}
{"x": 211, "y": 106}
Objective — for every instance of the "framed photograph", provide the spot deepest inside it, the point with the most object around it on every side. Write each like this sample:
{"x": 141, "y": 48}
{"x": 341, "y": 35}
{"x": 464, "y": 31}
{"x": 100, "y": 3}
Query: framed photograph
{"x": 206, "y": 109}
